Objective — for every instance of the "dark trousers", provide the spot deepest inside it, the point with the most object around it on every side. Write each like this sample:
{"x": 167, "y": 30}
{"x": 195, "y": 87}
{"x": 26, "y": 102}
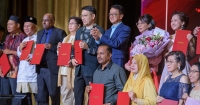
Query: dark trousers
{"x": 8, "y": 86}
{"x": 80, "y": 83}
{"x": 47, "y": 86}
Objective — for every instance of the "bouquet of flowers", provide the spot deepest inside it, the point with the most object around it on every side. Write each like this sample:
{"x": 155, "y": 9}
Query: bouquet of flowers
{"x": 151, "y": 43}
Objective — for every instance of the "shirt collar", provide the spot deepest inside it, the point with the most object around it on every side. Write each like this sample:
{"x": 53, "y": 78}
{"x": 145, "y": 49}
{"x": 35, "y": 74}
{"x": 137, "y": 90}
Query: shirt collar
{"x": 31, "y": 37}
{"x": 49, "y": 30}
{"x": 109, "y": 65}
{"x": 115, "y": 26}
{"x": 15, "y": 34}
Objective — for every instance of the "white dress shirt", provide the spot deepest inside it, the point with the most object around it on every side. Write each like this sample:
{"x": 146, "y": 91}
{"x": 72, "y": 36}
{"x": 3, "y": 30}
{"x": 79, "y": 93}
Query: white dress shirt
{"x": 26, "y": 72}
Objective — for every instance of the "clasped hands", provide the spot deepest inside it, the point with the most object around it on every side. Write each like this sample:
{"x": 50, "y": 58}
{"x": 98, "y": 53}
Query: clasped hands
{"x": 95, "y": 33}
{"x": 83, "y": 45}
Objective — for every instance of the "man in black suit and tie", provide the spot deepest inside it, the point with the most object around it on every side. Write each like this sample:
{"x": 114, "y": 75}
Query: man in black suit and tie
{"x": 48, "y": 70}
{"x": 85, "y": 71}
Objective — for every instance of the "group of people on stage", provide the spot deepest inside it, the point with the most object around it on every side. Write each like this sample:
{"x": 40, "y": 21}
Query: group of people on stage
{"x": 104, "y": 61}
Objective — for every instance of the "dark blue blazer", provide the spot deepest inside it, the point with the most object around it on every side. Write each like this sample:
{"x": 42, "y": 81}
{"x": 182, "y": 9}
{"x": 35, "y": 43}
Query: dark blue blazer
{"x": 118, "y": 42}
{"x": 90, "y": 62}
{"x": 57, "y": 35}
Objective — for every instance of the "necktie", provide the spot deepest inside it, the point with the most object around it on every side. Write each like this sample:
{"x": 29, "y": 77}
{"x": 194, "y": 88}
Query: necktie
{"x": 44, "y": 38}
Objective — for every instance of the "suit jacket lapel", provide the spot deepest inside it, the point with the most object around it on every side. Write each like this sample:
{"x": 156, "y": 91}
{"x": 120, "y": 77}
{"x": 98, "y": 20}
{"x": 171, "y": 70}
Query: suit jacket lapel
{"x": 116, "y": 30}
{"x": 109, "y": 31}
{"x": 39, "y": 36}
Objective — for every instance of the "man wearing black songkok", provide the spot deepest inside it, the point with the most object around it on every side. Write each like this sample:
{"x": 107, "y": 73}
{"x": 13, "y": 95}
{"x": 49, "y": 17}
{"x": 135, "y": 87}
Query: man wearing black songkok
{"x": 12, "y": 41}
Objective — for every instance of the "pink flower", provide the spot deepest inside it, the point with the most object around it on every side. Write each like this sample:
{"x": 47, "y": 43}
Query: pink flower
{"x": 156, "y": 42}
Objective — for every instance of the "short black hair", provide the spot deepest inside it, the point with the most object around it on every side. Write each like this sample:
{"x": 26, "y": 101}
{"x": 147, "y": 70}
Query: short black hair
{"x": 179, "y": 57}
{"x": 90, "y": 9}
{"x": 77, "y": 19}
{"x": 198, "y": 65}
{"x": 119, "y": 7}
{"x": 183, "y": 17}
{"x": 149, "y": 20}
{"x": 109, "y": 49}
{"x": 2, "y": 28}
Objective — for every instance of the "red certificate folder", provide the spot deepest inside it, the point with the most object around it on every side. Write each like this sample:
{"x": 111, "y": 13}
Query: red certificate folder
{"x": 123, "y": 98}
{"x": 168, "y": 102}
{"x": 38, "y": 53}
{"x": 96, "y": 94}
{"x": 26, "y": 50}
{"x": 64, "y": 54}
{"x": 78, "y": 52}
{"x": 181, "y": 41}
{"x": 198, "y": 43}
{"x": 5, "y": 64}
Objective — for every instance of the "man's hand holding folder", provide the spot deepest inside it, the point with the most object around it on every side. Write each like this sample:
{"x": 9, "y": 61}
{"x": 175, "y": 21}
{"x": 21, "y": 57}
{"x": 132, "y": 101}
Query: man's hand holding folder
{"x": 96, "y": 94}
{"x": 78, "y": 47}
{"x": 25, "y": 48}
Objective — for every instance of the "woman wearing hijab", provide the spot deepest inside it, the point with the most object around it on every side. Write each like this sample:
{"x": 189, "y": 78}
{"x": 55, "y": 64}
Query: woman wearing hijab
{"x": 139, "y": 85}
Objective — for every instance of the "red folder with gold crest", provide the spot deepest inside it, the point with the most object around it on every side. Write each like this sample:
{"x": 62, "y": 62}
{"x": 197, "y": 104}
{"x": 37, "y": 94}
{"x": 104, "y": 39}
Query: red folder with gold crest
{"x": 78, "y": 52}
{"x": 64, "y": 54}
{"x": 181, "y": 41}
{"x": 5, "y": 64}
{"x": 96, "y": 95}
{"x": 26, "y": 50}
{"x": 38, "y": 53}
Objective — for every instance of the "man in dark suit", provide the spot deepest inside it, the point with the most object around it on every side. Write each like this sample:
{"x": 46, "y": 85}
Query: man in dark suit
{"x": 48, "y": 70}
{"x": 117, "y": 36}
{"x": 84, "y": 72}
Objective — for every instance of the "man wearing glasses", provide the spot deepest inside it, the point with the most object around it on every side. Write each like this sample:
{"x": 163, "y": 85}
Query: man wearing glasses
{"x": 117, "y": 36}
{"x": 84, "y": 72}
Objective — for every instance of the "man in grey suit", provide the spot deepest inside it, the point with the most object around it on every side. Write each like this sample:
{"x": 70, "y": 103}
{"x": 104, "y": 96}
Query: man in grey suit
{"x": 84, "y": 72}
{"x": 48, "y": 70}
{"x": 110, "y": 74}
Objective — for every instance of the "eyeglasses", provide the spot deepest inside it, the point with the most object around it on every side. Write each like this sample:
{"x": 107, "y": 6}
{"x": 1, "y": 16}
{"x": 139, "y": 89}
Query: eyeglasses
{"x": 113, "y": 14}
{"x": 85, "y": 15}
{"x": 72, "y": 23}
{"x": 193, "y": 71}
{"x": 138, "y": 23}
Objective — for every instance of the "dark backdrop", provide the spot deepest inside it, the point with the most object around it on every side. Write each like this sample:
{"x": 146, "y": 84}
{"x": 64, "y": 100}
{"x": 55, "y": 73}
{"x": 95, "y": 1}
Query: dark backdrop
{"x": 132, "y": 10}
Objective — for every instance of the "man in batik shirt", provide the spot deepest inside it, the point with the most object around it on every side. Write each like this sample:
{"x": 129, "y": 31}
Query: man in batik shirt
{"x": 12, "y": 41}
